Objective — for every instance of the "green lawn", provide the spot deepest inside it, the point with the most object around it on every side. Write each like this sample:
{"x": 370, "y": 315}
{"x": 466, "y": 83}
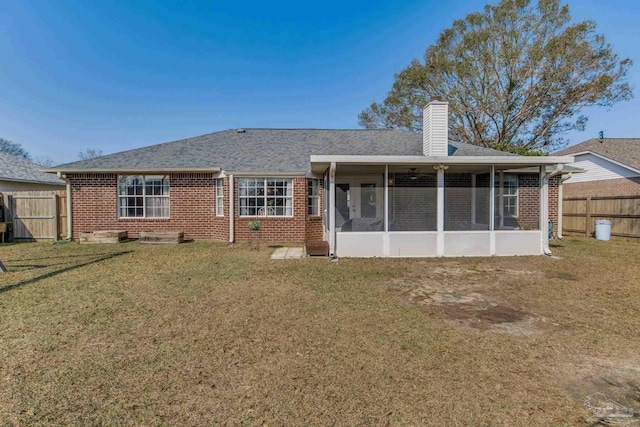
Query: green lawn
{"x": 204, "y": 334}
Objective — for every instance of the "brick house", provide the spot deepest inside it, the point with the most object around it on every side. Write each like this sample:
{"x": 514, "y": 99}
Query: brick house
{"x": 364, "y": 192}
{"x": 611, "y": 166}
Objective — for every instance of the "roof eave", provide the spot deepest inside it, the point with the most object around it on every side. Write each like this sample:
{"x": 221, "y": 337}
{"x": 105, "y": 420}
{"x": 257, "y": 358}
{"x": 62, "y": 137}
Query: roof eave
{"x": 602, "y": 156}
{"x": 446, "y": 160}
{"x": 130, "y": 170}
{"x": 293, "y": 174}
{"x": 30, "y": 181}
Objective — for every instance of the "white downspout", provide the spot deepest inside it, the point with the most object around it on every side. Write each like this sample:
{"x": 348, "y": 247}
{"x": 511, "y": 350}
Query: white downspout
{"x": 231, "y": 213}
{"x": 560, "y": 207}
{"x": 69, "y": 219}
{"x": 544, "y": 205}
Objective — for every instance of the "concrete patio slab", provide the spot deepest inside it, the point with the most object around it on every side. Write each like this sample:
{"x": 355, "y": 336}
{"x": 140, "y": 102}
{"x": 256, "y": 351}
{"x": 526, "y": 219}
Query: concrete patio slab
{"x": 287, "y": 253}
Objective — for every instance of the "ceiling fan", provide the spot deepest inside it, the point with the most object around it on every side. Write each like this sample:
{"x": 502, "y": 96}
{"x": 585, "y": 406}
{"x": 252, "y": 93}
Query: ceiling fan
{"x": 413, "y": 174}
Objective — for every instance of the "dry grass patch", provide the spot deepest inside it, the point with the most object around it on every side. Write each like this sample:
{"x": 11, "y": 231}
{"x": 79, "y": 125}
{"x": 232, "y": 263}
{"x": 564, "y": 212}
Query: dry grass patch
{"x": 202, "y": 334}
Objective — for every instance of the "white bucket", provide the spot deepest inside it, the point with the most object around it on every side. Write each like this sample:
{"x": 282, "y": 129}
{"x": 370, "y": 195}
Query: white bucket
{"x": 603, "y": 229}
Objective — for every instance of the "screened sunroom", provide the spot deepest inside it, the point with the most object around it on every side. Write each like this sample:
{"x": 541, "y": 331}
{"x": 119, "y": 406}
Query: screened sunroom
{"x": 453, "y": 200}
{"x": 426, "y": 207}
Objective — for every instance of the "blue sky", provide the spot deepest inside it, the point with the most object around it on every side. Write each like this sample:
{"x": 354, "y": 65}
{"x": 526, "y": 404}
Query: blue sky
{"x": 121, "y": 75}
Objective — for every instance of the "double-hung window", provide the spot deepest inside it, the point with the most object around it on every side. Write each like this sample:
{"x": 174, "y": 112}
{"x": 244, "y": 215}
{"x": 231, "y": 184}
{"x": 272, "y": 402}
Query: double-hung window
{"x": 313, "y": 195}
{"x": 265, "y": 197}
{"x": 219, "y": 197}
{"x": 142, "y": 196}
{"x": 510, "y": 195}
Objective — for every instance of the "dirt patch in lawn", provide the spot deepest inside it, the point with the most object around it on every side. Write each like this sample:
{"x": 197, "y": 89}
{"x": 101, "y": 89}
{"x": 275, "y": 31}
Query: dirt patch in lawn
{"x": 606, "y": 380}
{"x": 458, "y": 293}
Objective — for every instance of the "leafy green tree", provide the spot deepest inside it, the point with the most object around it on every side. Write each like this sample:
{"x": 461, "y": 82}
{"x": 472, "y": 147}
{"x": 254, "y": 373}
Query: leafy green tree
{"x": 516, "y": 76}
{"x": 14, "y": 149}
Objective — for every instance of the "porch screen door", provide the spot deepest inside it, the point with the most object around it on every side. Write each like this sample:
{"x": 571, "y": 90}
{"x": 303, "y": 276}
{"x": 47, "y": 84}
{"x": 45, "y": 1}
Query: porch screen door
{"x": 343, "y": 204}
{"x": 368, "y": 201}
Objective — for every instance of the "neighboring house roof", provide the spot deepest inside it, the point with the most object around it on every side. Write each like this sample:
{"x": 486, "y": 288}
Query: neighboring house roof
{"x": 269, "y": 150}
{"x": 622, "y": 150}
{"x": 17, "y": 169}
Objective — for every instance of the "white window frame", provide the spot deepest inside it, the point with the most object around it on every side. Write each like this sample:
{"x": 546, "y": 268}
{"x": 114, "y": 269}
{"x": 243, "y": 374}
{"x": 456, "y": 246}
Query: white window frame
{"x": 513, "y": 179}
{"x": 144, "y": 197}
{"x": 265, "y": 208}
{"x": 220, "y": 197}
{"x": 313, "y": 182}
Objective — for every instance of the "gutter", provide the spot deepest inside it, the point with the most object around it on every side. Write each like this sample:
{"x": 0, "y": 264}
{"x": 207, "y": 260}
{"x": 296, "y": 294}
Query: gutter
{"x": 300, "y": 174}
{"x": 446, "y": 160}
{"x": 30, "y": 181}
{"x": 69, "y": 219}
{"x": 130, "y": 170}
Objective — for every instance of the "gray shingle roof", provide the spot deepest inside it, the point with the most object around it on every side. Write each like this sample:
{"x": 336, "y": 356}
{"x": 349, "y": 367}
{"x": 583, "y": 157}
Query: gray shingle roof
{"x": 269, "y": 150}
{"x": 623, "y": 150}
{"x": 16, "y": 169}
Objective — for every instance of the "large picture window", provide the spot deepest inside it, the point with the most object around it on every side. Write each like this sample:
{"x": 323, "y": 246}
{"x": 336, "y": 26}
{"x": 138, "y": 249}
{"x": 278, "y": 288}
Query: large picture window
{"x": 265, "y": 197}
{"x": 143, "y": 196}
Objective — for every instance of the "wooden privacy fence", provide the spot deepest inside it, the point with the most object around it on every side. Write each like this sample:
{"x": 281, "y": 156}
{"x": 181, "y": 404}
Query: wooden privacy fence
{"x": 580, "y": 213}
{"x": 36, "y": 214}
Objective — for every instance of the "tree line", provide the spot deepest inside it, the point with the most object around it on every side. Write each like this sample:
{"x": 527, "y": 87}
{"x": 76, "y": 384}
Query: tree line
{"x": 16, "y": 149}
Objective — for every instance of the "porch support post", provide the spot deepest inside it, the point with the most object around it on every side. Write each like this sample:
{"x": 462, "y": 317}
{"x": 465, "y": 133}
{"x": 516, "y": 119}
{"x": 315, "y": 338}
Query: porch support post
{"x": 440, "y": 211}
{"x": 492, "y": 211}
{"x": 332, "y": 209}
{"x": 473, "y": 198}
{"x": 544, "y": 211}
{"x": 386, "y": 210}
{"x": 501, "y": 198}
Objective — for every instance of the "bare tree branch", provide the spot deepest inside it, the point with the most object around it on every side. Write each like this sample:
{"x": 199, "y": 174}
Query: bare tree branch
{"x": 517, "y": 77}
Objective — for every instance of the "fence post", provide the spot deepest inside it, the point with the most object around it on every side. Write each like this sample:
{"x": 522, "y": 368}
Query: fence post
{"x": 8, "y": 214}
{"x": 56, "y": 204}
{"x": 587, "y": 225}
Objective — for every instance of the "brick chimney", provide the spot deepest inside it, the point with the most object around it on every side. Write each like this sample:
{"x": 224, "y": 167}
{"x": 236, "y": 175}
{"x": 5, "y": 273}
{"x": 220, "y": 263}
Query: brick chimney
{"x": 435, "y": 128}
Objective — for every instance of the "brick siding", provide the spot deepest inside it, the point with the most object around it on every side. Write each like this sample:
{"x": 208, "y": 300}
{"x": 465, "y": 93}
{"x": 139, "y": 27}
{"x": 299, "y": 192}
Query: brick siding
{"x": 192, "y": 207}
{"x": 295, "y": 229}
{"x": 192, "y": 210}
{"x": 605, "y": 187}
